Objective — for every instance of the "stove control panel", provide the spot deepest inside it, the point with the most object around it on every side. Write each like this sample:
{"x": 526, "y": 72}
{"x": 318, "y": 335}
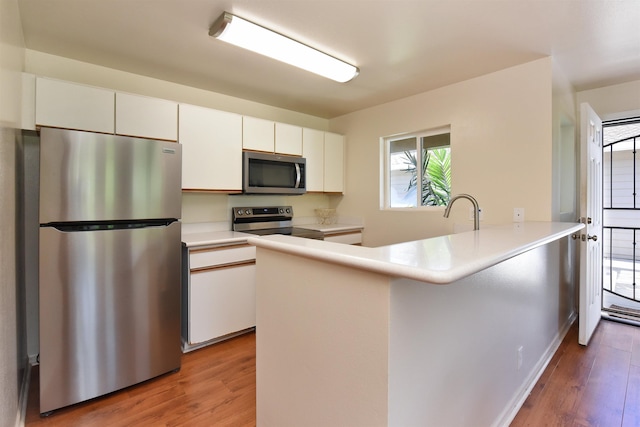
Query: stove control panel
{"x": 263, "y": 213}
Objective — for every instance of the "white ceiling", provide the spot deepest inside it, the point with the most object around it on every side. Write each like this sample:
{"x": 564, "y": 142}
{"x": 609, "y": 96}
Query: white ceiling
{"x": 402, "y": 47}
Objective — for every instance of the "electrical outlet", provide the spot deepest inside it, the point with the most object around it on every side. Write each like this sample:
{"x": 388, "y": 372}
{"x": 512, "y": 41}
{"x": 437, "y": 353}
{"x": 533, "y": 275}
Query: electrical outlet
{"x": 519, "y": 356}
{"x": 518, "y": 214}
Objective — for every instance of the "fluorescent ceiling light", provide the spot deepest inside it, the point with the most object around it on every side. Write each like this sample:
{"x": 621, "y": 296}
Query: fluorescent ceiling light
{"x": 245, "y": 34}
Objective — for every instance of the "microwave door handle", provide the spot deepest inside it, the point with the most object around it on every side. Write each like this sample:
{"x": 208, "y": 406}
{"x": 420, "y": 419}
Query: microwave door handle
{"x": 297, "y": 175}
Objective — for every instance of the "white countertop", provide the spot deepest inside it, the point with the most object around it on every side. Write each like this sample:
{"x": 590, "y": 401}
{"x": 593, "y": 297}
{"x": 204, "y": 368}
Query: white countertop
{"x": 331, "y": 228}
{"x": 206, "y": 234}
{"x": 440, "y": 260}
{"x": 212, "y": 238}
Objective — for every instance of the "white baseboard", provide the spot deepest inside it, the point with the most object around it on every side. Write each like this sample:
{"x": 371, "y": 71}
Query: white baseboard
{"x": 24, "y": 396}
{"x": 512, "y": 409}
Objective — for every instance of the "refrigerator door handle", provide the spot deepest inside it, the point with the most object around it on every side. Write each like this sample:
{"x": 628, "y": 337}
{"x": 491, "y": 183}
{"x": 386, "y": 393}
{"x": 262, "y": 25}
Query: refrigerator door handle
{"x": 108, "y": 225}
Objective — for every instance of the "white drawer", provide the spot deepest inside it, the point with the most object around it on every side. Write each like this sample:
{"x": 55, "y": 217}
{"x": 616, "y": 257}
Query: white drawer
{"x": 223, "y": 255}
{"x": 349, "y": 238}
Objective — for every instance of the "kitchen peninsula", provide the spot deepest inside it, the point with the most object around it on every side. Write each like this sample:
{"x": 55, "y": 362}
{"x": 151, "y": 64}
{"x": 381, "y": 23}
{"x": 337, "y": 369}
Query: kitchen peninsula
{"x": 447, "y": 331}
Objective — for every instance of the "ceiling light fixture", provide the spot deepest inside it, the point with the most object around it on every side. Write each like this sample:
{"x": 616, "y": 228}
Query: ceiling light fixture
{"x": 246, "y": 34}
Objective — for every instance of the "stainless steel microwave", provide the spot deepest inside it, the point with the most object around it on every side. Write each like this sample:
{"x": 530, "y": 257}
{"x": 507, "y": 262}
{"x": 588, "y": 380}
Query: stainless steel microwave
{"x": 265, "y": 173}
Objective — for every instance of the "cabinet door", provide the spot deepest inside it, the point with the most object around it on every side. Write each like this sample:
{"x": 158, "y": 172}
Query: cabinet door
{"x": 221, "y": 301}
{"x": 333, "y": 163}
{"x": 146, "y": 117}
{"x": 258, "y": 134}
{"x": 211, "y": 149}
{"x": 72, "y": 106}
{"x": 313, "y": 151}
{"x": 288, "y": 139}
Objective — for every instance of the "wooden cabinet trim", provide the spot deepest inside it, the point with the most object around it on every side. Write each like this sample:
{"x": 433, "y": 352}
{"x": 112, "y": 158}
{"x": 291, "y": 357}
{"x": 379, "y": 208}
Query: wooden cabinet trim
{"x": 270, "y": 152}
{"x": 222, "y": 266}
{"x": 205, "y": 190}
{"x": 342, "y": 233}
{"x": 219, "y": 248}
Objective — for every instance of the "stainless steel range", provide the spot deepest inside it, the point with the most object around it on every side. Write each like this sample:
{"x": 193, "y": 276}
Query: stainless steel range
{"x": 270, "y": 220}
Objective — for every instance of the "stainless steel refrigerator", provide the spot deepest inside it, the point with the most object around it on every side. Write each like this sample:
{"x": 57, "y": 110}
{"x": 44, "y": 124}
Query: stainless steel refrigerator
{"x": 109, "y": 263}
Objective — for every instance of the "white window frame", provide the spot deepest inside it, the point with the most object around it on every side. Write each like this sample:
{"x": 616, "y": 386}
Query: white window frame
{"x": 385, "y": 159}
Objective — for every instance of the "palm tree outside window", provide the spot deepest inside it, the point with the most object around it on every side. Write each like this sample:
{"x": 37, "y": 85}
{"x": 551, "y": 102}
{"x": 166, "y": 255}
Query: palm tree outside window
{"x": 419, "y": 170}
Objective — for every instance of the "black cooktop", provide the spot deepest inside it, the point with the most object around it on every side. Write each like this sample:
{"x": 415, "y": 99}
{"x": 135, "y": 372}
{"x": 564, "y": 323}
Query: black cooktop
{"x": 289, "y": 231}
{"x": 264, "y": 221}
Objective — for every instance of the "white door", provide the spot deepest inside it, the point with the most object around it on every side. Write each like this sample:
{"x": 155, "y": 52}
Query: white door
{"x": 591, "y": 210}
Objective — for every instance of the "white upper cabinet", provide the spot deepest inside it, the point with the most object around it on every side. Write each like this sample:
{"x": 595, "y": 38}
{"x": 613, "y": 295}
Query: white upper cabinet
{"x": 271, "y": 137}
{"x": 333, "y": 163}
{"x": 288, "y": 139}
{"x": 258, "y": 134}
{"x": 74, "y": 106}
{"x": 313, "y": 151}
{"x": 146, "y": 117}
{"x": 212, "y": 140}
{"x": 211, "y": 149}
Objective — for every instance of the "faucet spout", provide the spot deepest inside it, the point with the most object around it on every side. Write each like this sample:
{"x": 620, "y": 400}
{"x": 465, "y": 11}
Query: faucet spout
{"x": 476, "y": 209}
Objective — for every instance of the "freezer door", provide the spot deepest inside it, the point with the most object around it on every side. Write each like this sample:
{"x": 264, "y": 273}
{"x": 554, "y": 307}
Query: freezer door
{"x": 109, "y": 310}
{"x": 94, "y": 177}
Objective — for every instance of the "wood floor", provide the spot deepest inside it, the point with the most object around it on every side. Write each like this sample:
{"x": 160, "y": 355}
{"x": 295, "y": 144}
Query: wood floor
{"x": 598, "y": 385}
{"x": 216, "y": 386}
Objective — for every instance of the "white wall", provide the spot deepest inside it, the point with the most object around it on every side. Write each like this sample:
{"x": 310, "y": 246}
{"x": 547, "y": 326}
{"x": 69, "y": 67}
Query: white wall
{"x": 613, "y": 102}
{"x": 565, "y": 149}
{"x": 203, "y": 207}
{"x": 12, "y": 352}
{"x": 501, "y": 142}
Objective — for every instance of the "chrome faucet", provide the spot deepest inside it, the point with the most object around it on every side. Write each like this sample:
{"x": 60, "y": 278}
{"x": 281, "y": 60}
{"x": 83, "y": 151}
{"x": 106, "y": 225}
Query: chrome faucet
{"x": 476, "y": 209}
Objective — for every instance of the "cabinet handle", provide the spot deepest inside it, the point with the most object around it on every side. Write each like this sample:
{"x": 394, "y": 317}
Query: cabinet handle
{"x": 298, "y": 176}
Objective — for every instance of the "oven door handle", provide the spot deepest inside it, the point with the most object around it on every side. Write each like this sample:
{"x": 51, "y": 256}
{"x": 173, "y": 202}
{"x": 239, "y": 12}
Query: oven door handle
{"x": 298, "y": 176}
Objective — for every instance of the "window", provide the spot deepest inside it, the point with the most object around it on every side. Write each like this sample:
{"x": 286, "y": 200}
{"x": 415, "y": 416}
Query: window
{"x": 423, "y": 157}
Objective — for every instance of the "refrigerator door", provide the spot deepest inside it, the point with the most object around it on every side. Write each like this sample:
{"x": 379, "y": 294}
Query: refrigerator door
{"x": 95, "y": 177}
{"x": 109, "y": 310}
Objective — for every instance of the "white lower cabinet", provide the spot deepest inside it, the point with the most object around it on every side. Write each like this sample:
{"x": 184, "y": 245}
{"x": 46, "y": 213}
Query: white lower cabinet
{"x": 219, "y": 294}
{"x": 222, "y": 302}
